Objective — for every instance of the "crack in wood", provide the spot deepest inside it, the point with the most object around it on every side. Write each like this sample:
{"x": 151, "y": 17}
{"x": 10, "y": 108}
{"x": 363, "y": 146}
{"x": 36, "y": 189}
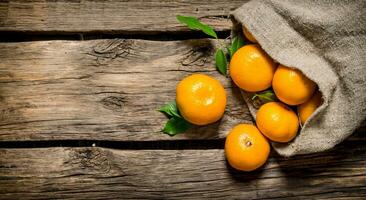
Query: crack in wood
{"x": 218, "y": 17}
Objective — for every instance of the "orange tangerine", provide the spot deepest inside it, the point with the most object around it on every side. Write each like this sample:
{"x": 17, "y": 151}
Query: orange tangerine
{"x": 201, "y": 99}
{"x": 248, "y": 35}
{"x": 291, "y": 86}
{"x": 277, "y": 122}
{"x": 246, "y": 148}
{"x": 306, "y": 109}
{"x": 252, "y": 69}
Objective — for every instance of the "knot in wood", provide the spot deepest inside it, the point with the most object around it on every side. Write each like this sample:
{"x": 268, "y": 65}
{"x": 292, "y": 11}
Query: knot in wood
{"x": 90, "y": 159}
{"x": 111, "y": 49}
{"x": 113, "y": 102}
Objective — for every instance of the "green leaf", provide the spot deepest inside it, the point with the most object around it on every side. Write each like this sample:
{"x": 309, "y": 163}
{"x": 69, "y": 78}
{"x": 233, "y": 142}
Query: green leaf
{"x": 265, "y": 96}
{"x": 221, "y": 62}
{"x": 240, "y": 43}
{"x": 230, "y": 50}
{"x": 233, "y": 48}
{"x": 194, "y": 24}
{"x": 170, "y": 109}
{"x": 236, "y": 43}
{"x": 175, "y": 126}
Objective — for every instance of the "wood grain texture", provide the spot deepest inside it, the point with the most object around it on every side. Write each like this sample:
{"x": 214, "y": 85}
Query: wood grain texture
{"x": 126, "y": 17}
{"x": 98, "y": 173}
{"x": 103, "y": 89}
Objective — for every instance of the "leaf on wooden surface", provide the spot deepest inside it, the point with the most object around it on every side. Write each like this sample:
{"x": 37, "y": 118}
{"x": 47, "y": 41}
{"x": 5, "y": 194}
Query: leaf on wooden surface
{"x": 176, "y": 123}
{"x": 221, "y": 62}
{"x": 175, "y": 126}
{"x": 170, "y": 109}
{"x": 194, "y": 24}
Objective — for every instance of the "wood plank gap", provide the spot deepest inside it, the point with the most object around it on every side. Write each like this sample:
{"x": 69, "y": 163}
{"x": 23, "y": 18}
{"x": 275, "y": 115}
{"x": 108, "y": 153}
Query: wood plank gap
{"x": 24, "y": 36}
{"x": 122, "y": 145}
{"x": 200, "y": 144}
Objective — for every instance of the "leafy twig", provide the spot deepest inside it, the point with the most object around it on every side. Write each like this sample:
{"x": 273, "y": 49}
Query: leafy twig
{"x": 176, "y": 123}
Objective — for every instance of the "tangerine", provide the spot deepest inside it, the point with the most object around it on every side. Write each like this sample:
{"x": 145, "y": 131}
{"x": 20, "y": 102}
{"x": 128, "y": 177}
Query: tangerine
{"x": 306, "y": 109}
{"x": 246, "y": 149}
{"x": 252, "y": 69}
{"x": 277, "y": 122}
{"x": 201, "y": 99}
{"x": 291, "y": 86}
{"x": 249, "y": 35}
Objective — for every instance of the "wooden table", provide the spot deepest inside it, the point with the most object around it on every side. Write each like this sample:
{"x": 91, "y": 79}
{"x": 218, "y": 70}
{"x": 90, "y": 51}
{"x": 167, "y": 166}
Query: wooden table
{"x": 78, "y": 115}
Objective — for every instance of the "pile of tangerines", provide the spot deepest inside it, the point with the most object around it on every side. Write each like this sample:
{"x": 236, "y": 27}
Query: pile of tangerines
{"x": 201, "y": 100}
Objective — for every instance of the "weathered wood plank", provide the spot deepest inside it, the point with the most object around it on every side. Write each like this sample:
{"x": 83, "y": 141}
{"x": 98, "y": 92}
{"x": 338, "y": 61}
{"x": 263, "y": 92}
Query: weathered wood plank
{"x": 98, "y": 173}
{"x": 102, "y": 89}
{"x": 126, "y": 17}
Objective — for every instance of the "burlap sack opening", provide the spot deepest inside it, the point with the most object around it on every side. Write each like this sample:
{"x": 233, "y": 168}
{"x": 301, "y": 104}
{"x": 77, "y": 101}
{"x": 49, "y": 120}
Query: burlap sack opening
{"x": 326, "y": 40}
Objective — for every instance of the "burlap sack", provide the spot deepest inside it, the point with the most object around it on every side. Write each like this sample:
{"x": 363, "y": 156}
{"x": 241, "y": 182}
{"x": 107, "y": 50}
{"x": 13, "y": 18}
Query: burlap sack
{"x": 326, "y": 40}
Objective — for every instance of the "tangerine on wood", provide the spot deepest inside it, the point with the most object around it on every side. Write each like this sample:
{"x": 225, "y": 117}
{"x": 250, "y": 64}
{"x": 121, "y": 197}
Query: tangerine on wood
{"x": 246, "y": 148}
{"x": 201, "y": 99}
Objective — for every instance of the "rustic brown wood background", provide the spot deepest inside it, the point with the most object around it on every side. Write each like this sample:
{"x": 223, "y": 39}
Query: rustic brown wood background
{"x": 80, "y": 82}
